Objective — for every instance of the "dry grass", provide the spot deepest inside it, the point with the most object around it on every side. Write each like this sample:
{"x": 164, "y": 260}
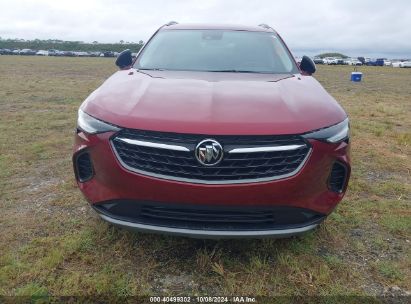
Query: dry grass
{"x": 51, "y": 243}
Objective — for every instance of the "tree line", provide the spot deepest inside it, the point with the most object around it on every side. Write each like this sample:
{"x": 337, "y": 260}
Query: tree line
{"x": 62, "y": 45}
{"x": 336, "y": 55}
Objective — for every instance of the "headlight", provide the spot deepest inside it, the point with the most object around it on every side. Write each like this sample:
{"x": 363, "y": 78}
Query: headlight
{"x": 92, "y": 125}
{"x": 333, "y": 134}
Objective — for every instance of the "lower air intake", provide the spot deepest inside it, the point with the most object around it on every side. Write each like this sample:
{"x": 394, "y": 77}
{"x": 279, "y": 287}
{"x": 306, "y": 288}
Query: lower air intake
{"x": 338, "y": 176}
{"x": 83, "y": 167}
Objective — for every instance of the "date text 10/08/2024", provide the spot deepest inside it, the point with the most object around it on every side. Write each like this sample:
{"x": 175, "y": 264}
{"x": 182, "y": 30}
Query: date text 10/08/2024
{"x": 202, "y": 299}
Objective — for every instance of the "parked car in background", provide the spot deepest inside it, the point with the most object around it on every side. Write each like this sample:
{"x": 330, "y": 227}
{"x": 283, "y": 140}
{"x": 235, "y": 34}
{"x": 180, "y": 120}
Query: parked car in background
{"x": 406, "y": 64}
{"x": 330, "y": 60}
{"x": 68, "y": 54}
{"x": 61, "y": 53}
{"x": 55, "y": 52}
{"x": 6, "y": 52}
{"x": 81, "y": 54}
{"x": 94, "y": 54}
{"x": 375, "y": 62}
{"x": 27, "y": 52}
{"x": 108, "y": 54}
{"x": 396, "y": 63}
{"x": 347, "y": 61}
{"x": 387, "y": 62}
{"x": 371, "y": 62}
{"x": 42, "y": 53}
{"x": 52, "y": 52}
{"x": 318, "y": 60}
{"x": 340, "y": 61}
{"x": 379, "y": 62}
{"x": 354, "y": 61}
{"x": 364, "y": 60}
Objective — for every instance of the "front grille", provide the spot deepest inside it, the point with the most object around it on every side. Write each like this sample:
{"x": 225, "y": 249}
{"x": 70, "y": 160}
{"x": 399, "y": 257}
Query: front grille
{"x": 234, "y": 167}
{"x": 337, "y": 177}
{"x": 208, "y": 217}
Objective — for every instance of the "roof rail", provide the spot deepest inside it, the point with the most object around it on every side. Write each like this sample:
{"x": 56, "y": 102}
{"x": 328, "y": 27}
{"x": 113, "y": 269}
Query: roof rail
{"x": 267, "y": 27}
{"x": 171, "y": 23}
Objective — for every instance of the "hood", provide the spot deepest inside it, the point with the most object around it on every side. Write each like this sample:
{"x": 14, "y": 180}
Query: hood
{"x": 214, "y": 103}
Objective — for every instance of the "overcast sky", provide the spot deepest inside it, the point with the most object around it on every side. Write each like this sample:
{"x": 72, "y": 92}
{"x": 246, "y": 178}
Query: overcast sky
{"x": 356, "y": 27}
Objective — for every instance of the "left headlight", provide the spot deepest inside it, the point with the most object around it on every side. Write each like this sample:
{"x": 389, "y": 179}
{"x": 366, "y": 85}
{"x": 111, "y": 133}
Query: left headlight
{"x": 333, "y": 134}
{"x": 92, "y": 125}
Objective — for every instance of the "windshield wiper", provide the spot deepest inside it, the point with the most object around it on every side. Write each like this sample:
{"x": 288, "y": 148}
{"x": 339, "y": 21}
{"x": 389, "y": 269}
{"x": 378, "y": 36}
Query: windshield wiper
{"x": 222, "y": 71}
{"x": 152, "y": 69}
{"x": 238, "y": 71}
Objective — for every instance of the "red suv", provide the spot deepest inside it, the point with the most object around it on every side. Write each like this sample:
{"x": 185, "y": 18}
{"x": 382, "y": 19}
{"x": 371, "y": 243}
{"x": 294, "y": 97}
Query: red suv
{"x": 213, "y": 131}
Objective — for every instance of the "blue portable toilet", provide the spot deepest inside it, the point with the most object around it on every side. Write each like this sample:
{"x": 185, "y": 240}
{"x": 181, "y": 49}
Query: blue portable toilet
{"x": 356, "y": 76}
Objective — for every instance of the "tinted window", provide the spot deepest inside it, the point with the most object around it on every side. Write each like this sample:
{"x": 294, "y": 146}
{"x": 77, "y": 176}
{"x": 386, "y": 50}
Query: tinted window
{"x": 216, "y": 50}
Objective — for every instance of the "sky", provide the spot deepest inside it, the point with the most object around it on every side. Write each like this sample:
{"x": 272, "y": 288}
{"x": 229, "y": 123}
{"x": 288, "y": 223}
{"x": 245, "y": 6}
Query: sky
{"x": 354, "y": 27}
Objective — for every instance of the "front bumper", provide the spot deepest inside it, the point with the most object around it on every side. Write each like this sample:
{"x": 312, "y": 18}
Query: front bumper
{"x": 208, "y": 221}
{"x": 308, "y": 189}
{"x": 203, "y": 234}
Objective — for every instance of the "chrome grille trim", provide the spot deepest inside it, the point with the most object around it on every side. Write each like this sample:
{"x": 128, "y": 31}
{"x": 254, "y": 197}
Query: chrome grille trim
{"x": 153, "y": 145}
{"x": 266, "y": 149}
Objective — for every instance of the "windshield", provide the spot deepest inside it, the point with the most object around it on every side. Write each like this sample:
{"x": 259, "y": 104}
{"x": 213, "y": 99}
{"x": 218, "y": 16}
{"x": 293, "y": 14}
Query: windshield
{"x": 216, "y": 51}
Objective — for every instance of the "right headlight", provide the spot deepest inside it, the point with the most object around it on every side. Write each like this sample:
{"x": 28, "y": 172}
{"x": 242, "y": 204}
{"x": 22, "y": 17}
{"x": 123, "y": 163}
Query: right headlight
{"x": 333, "y": 134}
{"x": 93, "y": 125}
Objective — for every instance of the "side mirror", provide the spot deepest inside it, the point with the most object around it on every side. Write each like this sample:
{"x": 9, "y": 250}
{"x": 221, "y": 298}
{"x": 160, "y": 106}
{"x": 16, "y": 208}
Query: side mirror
{"x": 124, "y": 60}
{"x": 307, "y": 65}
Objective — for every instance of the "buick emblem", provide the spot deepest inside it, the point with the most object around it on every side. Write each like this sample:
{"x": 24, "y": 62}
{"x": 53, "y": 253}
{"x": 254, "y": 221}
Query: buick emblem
{"x": 209, "y": 152}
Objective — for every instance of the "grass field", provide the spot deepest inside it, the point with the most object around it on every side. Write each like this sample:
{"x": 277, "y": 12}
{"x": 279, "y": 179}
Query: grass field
{"x": 52, "y": 243}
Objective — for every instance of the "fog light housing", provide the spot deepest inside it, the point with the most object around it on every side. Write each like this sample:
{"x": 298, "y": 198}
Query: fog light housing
{"x": 83, "y": 166}
{"x": 337, "y": 178}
